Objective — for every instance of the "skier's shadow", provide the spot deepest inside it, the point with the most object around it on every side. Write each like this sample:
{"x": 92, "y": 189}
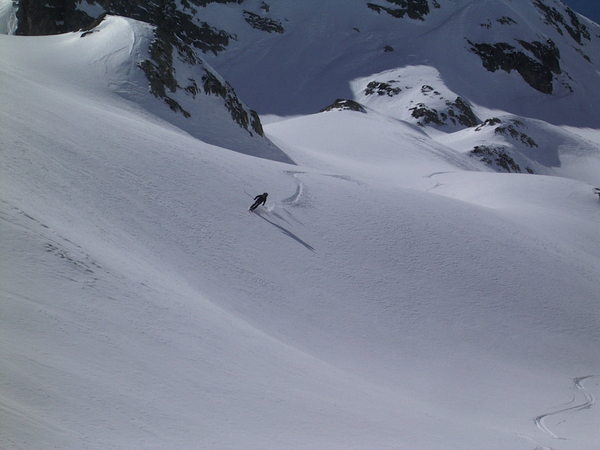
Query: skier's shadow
{"x": 286, "y": 232}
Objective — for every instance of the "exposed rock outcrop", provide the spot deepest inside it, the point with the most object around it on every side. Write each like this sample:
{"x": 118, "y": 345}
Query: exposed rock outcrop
{"x": 263, "y": 23}
{"x": 497, "y": 158}
{"x": 383, "y": 88}
{"x": 49, "y": 17}
{"x": 573, "y": 26}
{"x": 414, "y": 9}
{"x": 509, "y": 129}
{"x": 345, "y": 105}
{"x": 457, "y": 112}
{"x": 537, "y": 70}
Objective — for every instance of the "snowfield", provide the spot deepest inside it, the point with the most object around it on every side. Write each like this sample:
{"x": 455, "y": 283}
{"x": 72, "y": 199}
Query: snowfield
{"x": 394, "y": 292}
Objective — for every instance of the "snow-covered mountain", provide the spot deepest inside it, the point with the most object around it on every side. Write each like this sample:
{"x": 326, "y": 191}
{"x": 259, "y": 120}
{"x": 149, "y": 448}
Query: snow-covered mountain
{"x": 398, "y": 290}
{"x": 165, "y": 73}
{"x": 451, "y": 64}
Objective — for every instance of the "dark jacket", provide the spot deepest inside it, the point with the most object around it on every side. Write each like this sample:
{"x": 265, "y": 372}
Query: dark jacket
{"x": 261, "y": 197}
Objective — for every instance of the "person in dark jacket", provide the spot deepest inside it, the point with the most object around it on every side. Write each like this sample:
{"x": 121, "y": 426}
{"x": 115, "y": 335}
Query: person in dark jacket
{"x": 260, "y": 200}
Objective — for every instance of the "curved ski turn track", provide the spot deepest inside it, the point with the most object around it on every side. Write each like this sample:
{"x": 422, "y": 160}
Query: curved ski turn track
{"x": 587, "y": 401}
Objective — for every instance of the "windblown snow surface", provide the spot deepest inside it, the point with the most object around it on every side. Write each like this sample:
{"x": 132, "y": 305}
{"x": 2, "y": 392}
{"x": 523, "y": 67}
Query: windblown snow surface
{"x": 393, "y": 293}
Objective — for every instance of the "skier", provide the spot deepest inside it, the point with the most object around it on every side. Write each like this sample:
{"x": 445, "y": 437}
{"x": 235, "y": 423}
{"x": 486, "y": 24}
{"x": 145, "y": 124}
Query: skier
{"x": 260, "y": 200}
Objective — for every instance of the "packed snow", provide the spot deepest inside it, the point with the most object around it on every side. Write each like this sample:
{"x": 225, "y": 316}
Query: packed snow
{"x": 394, "y": 292}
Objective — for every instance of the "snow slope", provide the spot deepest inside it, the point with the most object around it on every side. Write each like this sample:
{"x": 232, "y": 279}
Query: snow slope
{"x": 108, "y": 57}
{"x": 393, "y": 293}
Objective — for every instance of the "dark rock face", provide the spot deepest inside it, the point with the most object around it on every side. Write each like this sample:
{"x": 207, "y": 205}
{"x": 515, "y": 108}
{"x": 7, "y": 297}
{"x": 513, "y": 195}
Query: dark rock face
{"x": 415, "y": 9}
{"x": 537, "y": 71}
{"x": 179, "y": 27}
{"x": 382, "y": 88}
{"x": 263, "y": 23}
{"x": 573, "y": 26}
{"x": 510, "y": 130}
{"x": 246, "y": 119}
{"x": 462, "y": 112}
{"x": 173, "y": 41}
{"x": 583, "y": 55}
{"x": 546, "y": 53}
{"x": 505, "y": 20}
{"x": 488, "y": 122}
{"x": 49, "y": 17}
{"x": 497, "y": 158}
{"x": 426, "y": 115}
{"x": 457, "y": 112}
{"x": 345, "y": 105}
{"x": 160, "y": 73}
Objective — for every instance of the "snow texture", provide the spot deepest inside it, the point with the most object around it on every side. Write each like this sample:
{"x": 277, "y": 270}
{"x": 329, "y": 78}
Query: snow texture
{"x": 394, "y": 292}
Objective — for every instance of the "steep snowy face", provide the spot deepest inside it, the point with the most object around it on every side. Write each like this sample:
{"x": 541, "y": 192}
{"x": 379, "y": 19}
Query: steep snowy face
{"x": 194, "y": 97}
{"x": 533, "y": 58}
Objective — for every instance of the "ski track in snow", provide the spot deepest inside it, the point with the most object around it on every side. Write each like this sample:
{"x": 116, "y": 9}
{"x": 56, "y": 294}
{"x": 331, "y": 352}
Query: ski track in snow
{"x": 345, "y": 178}
{"x": 55, "y": 244}
{"x": 437, "y": 183}
{"x": 293, "y": 200}
{"x": 588, "y": 402}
